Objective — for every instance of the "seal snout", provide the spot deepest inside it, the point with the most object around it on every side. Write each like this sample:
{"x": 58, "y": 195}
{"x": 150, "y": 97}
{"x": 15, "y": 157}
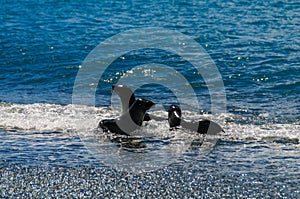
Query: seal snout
{"x": 149, "y": 104}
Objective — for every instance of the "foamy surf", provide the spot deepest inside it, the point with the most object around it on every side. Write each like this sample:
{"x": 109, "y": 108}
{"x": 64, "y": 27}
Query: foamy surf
{"x": 84, "y": 120}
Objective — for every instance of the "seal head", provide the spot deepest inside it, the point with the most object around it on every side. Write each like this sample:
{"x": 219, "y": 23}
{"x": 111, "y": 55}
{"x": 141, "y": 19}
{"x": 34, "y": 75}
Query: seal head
{"x": 174, "y": 116}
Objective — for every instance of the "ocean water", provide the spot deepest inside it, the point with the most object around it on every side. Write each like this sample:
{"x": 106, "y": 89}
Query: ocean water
{"x": 50, "y": 146}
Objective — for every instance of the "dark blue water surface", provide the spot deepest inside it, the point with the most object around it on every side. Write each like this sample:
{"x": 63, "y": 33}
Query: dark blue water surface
{"x": 254, "y": 44}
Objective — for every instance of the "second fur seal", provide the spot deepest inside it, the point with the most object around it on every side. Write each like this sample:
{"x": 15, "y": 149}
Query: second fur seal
{"x": 129, "y": 121}
{"x": 202, "y": 127}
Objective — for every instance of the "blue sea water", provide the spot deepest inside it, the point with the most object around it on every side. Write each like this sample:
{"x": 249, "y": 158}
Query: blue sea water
{"x": 46, "y": 141}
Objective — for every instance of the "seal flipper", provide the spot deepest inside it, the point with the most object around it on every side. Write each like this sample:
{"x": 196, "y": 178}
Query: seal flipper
{"x": 126, "y": 95}
{"x": 110, "y": 125}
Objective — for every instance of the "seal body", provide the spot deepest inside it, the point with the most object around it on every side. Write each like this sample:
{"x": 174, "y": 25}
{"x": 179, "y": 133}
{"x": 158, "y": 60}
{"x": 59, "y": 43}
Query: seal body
{"x": 129, "y": 121}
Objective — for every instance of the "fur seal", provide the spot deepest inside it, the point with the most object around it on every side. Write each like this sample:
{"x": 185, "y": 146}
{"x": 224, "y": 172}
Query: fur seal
{"x": 202, "y": 127}
{"x": 129, "y": 121}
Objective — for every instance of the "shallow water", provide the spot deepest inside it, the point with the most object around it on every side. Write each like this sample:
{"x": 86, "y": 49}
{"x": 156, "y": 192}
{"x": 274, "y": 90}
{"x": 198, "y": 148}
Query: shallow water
{"x": 251, "y": 159}
{"x": 240, "y": 169}
{"x": 51, "y": 148}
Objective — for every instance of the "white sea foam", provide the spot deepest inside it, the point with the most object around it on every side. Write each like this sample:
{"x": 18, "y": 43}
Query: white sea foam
{"x": 84, "y": 119}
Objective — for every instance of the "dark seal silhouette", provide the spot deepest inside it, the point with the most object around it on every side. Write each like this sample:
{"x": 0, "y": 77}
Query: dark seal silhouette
{"x": 129, "y": 121}
{"x": 202, "y": 127}
{"x": 174, "y": 116}
{"x": 128, "y": 98}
